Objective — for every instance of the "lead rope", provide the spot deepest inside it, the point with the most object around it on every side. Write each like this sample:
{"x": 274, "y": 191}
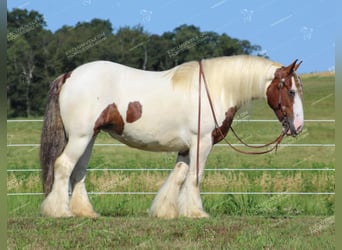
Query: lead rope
{"x": 259, "y": 146}
{"x": 275, "y": 142}
{"x": 198, "y": 125}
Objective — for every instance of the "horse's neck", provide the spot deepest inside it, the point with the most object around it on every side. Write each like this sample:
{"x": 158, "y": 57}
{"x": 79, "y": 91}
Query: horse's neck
{"x": 239, "y": 87}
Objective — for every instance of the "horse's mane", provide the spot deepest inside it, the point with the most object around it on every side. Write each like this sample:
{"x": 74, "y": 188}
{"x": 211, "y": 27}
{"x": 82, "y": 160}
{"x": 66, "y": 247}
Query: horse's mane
{"x": 241, "y": 75}
{"x": 184, "y": 74}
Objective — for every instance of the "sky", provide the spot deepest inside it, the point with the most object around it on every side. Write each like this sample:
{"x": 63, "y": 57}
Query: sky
{"x": 285, "y": 29}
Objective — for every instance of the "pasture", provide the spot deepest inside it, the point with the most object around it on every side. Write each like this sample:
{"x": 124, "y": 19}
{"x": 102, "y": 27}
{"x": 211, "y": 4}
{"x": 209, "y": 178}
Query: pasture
{"x": 255, "y": 202}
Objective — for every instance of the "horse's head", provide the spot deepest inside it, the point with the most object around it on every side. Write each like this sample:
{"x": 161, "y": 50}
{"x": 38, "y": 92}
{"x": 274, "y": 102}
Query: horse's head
{"x": 285, "y": 97}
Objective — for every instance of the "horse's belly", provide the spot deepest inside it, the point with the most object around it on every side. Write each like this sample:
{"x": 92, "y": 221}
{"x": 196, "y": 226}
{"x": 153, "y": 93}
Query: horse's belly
{"x": 150, "y": 141}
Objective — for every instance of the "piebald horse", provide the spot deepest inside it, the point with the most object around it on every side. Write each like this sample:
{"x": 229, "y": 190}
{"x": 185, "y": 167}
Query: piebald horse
{"x": 155, "y": 111}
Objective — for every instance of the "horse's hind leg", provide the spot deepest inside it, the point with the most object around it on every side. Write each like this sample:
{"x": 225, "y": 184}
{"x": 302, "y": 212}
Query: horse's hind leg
{"x": 56, "y": 204}
{"x": 79, "y": 202}
{"x": 165, "y": 203}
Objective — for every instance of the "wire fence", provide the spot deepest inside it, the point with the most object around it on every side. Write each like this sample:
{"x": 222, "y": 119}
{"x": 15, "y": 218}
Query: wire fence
{"x": 207, "y": 170}
{"x": 238, "y": 120}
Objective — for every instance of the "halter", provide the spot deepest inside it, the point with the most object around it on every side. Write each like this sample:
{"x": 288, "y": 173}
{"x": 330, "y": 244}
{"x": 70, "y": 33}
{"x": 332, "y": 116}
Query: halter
{"x": 275, "y": 142}
{"x": 285, "y": 121}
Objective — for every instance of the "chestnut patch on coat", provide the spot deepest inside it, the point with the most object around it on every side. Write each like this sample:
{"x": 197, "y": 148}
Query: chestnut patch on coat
{"x": 134, "y": 111}
{"x": 216, "y": 134}
{"x": 110, "y": 120}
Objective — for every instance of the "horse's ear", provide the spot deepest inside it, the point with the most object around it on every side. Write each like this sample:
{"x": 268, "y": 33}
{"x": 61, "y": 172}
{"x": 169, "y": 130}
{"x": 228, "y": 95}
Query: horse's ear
{"x": 297, "y": 65}
{"x": 292, "y": 67}
{"x": 285, "y": 71}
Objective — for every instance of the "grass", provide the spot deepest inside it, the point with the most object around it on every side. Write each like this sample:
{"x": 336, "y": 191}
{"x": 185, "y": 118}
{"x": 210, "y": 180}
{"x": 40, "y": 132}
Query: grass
{"x": 222, "y": 232}
{"x": 238, "y": 221}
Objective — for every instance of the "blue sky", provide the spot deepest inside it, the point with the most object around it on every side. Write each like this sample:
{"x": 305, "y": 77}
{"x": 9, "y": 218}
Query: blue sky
{"x": 286, "y": 30}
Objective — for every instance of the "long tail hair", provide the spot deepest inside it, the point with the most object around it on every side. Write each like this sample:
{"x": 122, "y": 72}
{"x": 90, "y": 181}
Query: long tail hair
{"x": 53, "y": 138}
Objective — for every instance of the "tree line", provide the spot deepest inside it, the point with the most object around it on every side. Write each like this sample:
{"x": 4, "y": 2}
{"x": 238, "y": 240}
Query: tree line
{"x": 36, "y": 56}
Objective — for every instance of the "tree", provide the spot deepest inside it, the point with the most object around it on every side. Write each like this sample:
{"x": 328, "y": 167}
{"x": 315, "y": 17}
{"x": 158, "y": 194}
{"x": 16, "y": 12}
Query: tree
{"x": 157, "y": 47}
{"x": 26, "y": 55}
{"x": 131, "y": 47}
{"x": 73, "y": 46}
{"x": 36, "y": 56}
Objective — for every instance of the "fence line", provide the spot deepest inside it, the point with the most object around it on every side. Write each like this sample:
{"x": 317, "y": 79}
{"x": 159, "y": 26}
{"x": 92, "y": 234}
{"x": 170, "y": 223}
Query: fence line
{"x": 203, "y": 193}
{"x": 221, "y": 193}
{"x": 241, "y": 120}
{"x": 169, "y": 169}
{"x": 164, "y": 169}
{"x": 216, "y": 145}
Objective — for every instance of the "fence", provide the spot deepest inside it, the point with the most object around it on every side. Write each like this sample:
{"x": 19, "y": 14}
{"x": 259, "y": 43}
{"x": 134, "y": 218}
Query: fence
{"x": 163, "y": 169}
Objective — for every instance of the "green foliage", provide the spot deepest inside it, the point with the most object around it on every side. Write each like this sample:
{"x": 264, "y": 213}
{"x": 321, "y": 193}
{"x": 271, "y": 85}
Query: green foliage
{"x": 36, "y": 56}
{"x": 27, "y": 63}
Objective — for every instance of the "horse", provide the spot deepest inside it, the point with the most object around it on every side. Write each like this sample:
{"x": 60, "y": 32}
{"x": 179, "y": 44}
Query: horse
{"x": 166, "y": 111}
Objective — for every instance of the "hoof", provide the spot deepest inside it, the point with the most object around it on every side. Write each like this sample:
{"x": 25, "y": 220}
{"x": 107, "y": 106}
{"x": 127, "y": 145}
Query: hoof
{"x": 170, "y": 214}
{"x": 83, "y": 211}
{"x": 51, "y": 207}
{"x": 55, "y": 213}
{"x": 196, "y": 214}
{"x": 87, "y": 214}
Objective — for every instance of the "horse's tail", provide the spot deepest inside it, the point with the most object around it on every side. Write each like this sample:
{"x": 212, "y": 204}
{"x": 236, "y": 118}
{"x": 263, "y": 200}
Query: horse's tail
{"x": 53, "y": 137}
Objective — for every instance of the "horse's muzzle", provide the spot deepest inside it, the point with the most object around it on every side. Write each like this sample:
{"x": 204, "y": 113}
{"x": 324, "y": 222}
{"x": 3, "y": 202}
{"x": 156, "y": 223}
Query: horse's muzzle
{"x": 290, "y": 128}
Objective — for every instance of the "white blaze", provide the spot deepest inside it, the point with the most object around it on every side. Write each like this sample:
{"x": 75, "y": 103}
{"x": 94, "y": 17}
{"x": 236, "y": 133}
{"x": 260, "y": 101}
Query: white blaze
{"x": 298, "y": 112}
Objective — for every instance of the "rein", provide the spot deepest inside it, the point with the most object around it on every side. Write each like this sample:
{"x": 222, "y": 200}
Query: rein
{"x": 275, "y": 142}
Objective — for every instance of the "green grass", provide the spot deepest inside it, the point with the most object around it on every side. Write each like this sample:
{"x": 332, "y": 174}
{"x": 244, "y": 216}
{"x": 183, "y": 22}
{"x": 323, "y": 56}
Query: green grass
{"x": 238, "y": 221}
{"x": 222, "y": 232}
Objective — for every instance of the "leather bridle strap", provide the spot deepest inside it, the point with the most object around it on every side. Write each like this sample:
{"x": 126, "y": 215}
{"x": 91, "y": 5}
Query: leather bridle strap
{"x": 275, "y": 144}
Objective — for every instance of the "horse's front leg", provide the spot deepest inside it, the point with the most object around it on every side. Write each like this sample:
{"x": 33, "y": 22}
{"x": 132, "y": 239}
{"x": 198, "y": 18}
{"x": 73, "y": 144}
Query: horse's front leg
{"x": 189, "y": 200}
{"x": 165, "y": 203}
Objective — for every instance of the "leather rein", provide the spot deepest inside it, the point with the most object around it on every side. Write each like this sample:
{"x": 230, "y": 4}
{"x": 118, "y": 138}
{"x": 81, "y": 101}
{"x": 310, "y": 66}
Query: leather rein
{"x": 274, "y": 143}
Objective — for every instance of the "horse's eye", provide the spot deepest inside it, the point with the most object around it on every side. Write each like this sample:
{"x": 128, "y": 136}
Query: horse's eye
{"x": 291, "y": 93}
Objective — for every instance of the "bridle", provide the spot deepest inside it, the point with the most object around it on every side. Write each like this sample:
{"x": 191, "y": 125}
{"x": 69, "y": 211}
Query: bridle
{"x": 285, "y": 122}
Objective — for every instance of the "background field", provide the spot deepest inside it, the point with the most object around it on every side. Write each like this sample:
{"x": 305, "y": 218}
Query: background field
{"x": 245, "y": 220}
